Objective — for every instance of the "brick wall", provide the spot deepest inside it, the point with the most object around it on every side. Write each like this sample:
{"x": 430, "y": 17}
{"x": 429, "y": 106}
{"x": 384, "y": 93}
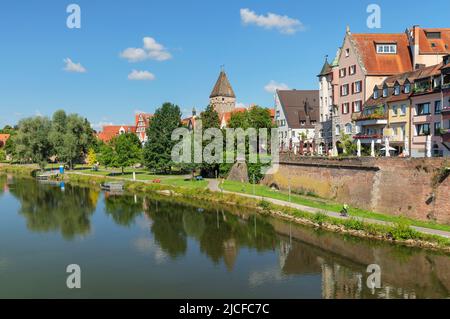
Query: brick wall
{"x": 387, "y": 185}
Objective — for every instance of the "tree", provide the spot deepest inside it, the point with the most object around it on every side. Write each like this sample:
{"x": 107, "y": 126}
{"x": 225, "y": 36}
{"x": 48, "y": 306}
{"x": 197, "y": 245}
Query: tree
{"x": 31, "y": 141}
{"x": 257, "y": 118}
{"x": 157, "y": 151}
{"x": 127, "y": 151}
{"x": 210, "y": 119}
{"x": 71, "y": 136}
{"x": 91, "y": 157}
{"x": 106, "y": 155}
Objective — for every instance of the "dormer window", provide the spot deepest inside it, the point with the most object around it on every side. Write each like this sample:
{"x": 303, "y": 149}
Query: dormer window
{"x": 375, "y": 94}
{"x": 385, "y": 92}
{"x": 407, "y": 88}
{"x": 387, "y": 48}
{"x": 397, "y": 89}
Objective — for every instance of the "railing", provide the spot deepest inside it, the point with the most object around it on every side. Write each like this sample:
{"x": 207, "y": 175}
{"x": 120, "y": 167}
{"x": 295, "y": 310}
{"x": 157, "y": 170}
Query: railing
{"x": 373, "y": 116}
{"x": 368, "y": 136}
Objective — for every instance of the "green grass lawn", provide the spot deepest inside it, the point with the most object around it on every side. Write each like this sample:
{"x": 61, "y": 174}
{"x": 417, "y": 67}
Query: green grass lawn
{"x": 143, "y": 175}
{"x": 265, "y": 191}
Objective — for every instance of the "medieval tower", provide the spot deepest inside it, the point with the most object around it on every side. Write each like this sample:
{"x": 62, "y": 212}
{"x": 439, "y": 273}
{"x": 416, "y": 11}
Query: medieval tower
{"x": 222, "y": 97}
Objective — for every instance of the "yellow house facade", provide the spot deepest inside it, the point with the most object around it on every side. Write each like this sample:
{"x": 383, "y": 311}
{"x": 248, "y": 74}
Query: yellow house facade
{"x": 399, "y": 118}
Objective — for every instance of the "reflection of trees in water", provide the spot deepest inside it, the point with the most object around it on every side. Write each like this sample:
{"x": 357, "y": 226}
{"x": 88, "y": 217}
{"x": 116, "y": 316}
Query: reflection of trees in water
{"x": 48, "y": 208}
{"x": 123, "y": 208}
{"x": 3, "y": 183}
{"x": 220, "y": 234}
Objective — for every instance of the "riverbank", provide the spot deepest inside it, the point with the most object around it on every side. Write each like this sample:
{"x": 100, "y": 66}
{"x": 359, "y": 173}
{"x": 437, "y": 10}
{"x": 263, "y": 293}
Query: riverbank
{"x": 399, "y": 233}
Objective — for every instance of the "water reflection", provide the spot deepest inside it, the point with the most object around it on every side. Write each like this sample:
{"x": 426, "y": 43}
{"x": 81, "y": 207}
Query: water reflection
{"x": 47, "y": 208}
{"x": 273, "y": 255}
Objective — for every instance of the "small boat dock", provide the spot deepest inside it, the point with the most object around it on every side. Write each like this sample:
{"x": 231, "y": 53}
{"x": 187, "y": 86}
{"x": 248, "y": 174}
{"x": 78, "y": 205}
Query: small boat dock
{"x": 112, "y": 186}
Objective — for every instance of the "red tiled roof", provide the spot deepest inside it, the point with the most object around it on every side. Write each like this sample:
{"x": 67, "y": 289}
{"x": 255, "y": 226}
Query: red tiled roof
{"x": 111, "y": 131}
{"x": 434, "y": 46}
{"x": 3, "y": 139}
{"x": 147, "y": 117}
{"x": 383, "y": 64}
{"x": 226, "y": 116}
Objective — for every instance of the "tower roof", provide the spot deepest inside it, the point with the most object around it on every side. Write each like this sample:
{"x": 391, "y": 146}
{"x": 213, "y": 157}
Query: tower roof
{"x": 326, "y": 67}
{"x": 222, "y": 87}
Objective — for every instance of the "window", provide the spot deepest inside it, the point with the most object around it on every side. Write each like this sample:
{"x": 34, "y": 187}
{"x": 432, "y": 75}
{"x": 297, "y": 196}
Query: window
{"x": 387, "y": 48}
{"x": 397, "y": 90}
{"x": 375, "y": 94}
{"x": 348, "y": 128}
{"x": 337, "y": 130}
{"x": 437, "y": 128}
{"x": 313, "y": 122}
{"x": 437, "y": 107}
{"x": 302, "y": 123}
{"x": 433, "y": 35}
{"x": 342, "y": 72}
{"x": 357, "y": 106}
{"x": 347, "y": 53}
{"x": 385, "y": 92}
{"x": 344, "y": 90}
{"x": 407, "y": 88}
{"x": 345, "y": 108}
{"x": 423, "y": 129}
{"x": 352, "y": 69}
{"x": 395, "y": 110}
{"x": 357, "y": 87}
{"x": 403, "y": 109}
{"x": 358, "y": 129}
{"x": 423, "y": 109}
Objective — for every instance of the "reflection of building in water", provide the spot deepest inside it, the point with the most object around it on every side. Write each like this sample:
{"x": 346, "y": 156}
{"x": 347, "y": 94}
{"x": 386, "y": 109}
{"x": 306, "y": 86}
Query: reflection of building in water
{"x": 340, "y": 282}
{"x": 230, "y": 252}
{"x": 285, "y": 248}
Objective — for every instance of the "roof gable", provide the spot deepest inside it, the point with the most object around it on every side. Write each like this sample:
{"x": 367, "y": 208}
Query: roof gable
{"x": 383, "y": 64}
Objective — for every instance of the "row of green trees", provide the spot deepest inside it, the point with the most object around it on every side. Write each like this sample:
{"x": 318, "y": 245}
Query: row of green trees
{"x": 66, "y": 138}
{"x": 69, "y": 138}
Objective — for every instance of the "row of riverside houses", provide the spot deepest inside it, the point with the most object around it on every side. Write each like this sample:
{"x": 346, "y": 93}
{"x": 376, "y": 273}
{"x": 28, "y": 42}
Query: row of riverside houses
{"x": 384, "y": 91}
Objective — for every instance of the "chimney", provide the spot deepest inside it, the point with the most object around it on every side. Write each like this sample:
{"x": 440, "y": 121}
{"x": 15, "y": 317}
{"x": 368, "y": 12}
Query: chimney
{"x": 415, "y": 45}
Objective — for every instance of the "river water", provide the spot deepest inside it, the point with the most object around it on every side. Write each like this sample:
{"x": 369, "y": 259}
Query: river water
{"x": 136, "y": 246}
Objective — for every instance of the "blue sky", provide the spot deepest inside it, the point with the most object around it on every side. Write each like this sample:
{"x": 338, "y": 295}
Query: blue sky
{"x": 198, "y": 36}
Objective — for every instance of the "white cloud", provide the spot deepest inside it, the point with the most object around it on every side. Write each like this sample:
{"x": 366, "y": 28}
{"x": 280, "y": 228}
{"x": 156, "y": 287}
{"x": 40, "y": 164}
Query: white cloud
{"x": 73, "y": 67}
{"x": 99, "y": 125}
{"x": 284, "y": 24}
{"x": 240, "y": 104}
{"x": 150, "y": 50}
{"x": 141, "y": 76}
{"x": 273, "y": 86}
{"x": 134, "y": 54}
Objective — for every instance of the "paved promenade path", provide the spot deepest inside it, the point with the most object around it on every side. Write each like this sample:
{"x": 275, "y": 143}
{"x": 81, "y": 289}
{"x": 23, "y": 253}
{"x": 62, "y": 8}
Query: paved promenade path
{"x": 214, "y": 186}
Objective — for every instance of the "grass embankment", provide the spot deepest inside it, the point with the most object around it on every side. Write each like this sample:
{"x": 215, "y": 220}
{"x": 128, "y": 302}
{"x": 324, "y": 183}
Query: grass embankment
{"x": 400, "y": 232}
{"x": 323, "y": 204}
{"x": 141, "y": 175}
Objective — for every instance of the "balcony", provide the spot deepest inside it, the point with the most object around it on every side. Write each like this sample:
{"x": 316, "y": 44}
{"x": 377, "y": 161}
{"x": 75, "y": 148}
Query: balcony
{"x": 445, "y": 135}
{"x": 372, "y": 119}
{"x": 367, "y": 136}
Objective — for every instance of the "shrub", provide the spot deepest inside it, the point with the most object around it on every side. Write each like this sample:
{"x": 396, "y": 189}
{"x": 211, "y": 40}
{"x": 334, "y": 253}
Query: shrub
{"x": 402, "y": 230}
{"x": 319, "y": 218}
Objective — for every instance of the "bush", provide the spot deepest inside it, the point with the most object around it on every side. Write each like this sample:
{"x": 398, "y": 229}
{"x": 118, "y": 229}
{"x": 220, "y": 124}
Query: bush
{"x": 2, "y": 155}
{"x": 319, "y": 218}
{"x": 265, "y": 205}
{"x": 402, "y": 230}
{"x": 355, "y": 224}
